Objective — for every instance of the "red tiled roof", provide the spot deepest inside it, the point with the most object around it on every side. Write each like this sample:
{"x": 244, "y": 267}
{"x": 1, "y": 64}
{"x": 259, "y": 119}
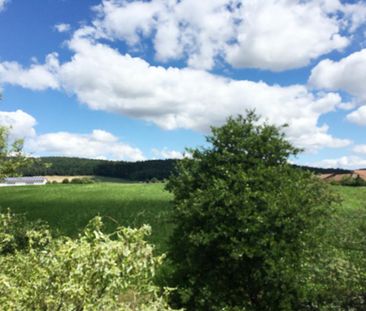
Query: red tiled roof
{"x": 361, "y": 173}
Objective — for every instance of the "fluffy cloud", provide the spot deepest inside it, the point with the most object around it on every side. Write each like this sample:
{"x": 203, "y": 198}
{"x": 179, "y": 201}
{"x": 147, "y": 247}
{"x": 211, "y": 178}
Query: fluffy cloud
{"x": 36, "y": 77}
{"x": 104, "y": 79}
{"x": 97, "y": 145}
{"x": 167, "y": 154}
{"x": 280, "y": 35}
{"x": 346, "y": 162}
{"x": 355, "y": 14}
{"x": 20, "y": 123}
{"x": 63, "y": 27}
{"x": 272, "y": 34}
{"x": 361, "y": 149}
{"x": 358, "y": 116}
{"x": 196, "y": 30}
{"x": 348, "y": 74}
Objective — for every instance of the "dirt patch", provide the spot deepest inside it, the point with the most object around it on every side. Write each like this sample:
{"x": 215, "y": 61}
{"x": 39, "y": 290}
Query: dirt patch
{"x": 61, "y": 178}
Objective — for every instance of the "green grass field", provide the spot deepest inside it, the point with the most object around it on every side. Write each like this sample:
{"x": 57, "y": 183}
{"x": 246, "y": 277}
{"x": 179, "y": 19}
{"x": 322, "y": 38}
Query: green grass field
{"x": 68, "y": 208}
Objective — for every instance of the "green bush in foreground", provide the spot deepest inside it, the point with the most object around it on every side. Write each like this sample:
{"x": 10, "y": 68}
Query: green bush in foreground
{"x": 93, "y": 272}
{"x": 249, "y": 227}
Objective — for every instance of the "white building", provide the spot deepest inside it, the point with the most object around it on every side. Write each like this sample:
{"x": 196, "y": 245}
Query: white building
{"x": 23, "y": 181}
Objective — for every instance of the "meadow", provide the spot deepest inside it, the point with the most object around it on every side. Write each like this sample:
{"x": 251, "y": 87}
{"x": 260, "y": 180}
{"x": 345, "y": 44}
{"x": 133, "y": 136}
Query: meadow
{"x": 68, "y": 207}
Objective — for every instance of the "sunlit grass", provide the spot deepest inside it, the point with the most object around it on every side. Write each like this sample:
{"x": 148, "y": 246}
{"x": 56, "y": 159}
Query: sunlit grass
{"x": 68, "y": 208}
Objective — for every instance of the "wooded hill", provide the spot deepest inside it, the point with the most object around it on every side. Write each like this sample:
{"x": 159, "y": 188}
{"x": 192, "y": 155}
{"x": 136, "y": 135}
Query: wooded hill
{"x": 132, "y": 171}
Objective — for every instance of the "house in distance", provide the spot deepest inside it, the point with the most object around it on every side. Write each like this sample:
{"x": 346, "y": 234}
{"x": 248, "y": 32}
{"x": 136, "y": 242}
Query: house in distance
{"x": 23, "y": 181}
{"x": 336, "y": 177}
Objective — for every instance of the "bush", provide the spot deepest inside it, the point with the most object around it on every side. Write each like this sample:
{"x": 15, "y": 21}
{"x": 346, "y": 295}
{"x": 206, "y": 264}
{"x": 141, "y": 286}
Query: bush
{"x": 14, "y": 233}
{"x": 96, "y": 271}
{"x": 353, "y": 182}
{"x": 247, "y": 223}
{"x": 65, "y": 181}
{"x": 82, "y": 181}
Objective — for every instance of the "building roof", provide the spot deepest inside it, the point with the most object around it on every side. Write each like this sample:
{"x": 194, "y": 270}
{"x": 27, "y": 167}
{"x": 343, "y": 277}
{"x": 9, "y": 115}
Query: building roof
{"x": 339, "y": 177}
{"x": 23, "y": 180}
{"x": 361, "y": 173}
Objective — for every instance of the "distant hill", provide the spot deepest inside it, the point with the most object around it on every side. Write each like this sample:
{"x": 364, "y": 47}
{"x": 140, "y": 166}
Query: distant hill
{"x": 318, "y": 170}
{"x": 134, "y": 171}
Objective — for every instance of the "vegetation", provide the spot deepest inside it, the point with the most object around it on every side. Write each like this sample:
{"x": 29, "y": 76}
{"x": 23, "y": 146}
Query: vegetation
{"x": 12, "y": 159}
{"x": 353, "y": 182}
{"x": 251, "y": 232}
{"x": 129, "y": 171}
{"x": 95, "y": 271}
{"x": 151, "y": 170}
{"x": 67, "y": 208}
{"x": 249, "y": 228}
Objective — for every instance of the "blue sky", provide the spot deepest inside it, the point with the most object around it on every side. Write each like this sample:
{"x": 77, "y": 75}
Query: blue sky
{"x": 134, "y": 80}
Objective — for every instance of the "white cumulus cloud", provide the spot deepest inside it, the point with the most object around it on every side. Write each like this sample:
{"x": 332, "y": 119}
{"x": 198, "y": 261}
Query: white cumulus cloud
{"x": 104, "y": 79}
{"x": 36, "y": 77}
{"x": 280, "y": 35}
{"x": 346, "y": 162}
{"x": 20, "y": 124}
{"x": 361, "y": 149}
{"x": 97, "y": 145}
{"x": 273, "y": 34}
{"x": 166, "y": 153}
{"x": 358, "y": 116}
{"x": 348, "y": 74}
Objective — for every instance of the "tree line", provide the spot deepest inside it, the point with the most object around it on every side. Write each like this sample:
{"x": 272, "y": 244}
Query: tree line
{"x": 133, "y": 171}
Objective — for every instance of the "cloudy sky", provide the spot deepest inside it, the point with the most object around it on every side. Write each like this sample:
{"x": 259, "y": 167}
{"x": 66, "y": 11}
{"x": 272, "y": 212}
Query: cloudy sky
{"x": 134, "y": 80}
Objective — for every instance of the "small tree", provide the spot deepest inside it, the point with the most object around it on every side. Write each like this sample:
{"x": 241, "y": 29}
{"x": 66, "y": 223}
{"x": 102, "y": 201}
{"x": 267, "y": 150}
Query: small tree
{"x": 12, "y": 158}
{"x": 244, "y": 220}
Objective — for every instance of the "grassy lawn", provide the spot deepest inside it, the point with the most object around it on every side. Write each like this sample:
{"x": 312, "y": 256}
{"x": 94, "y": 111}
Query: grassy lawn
{"x": 353, "y": 197}
{"x": 68, "y": 208}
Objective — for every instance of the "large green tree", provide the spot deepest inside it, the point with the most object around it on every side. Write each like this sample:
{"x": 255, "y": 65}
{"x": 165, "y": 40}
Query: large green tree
{"x": 245, "y": 221}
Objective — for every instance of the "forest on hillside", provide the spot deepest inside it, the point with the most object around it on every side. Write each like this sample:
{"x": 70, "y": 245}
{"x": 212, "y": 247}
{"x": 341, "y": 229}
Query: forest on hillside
{"x": 132, "y": 171}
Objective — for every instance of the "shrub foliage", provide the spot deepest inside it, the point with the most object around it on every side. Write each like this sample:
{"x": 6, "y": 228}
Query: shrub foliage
{"x": 93, "y": 272}
{"x": 247, "y": 223}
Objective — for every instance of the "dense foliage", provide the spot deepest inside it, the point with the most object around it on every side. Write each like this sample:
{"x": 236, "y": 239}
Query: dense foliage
{"x": 141, "y": 170}
{"x": 250, "y": 227}
{"x": 96, "y": 271}
{"x": 351, "y": 181}
{"x": 134, "y": 171}
{"x": 63, "y": 166}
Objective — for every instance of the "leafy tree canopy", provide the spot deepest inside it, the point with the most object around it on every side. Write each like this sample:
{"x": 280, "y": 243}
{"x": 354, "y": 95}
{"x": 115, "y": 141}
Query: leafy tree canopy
{"x": 246, "y": 221}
